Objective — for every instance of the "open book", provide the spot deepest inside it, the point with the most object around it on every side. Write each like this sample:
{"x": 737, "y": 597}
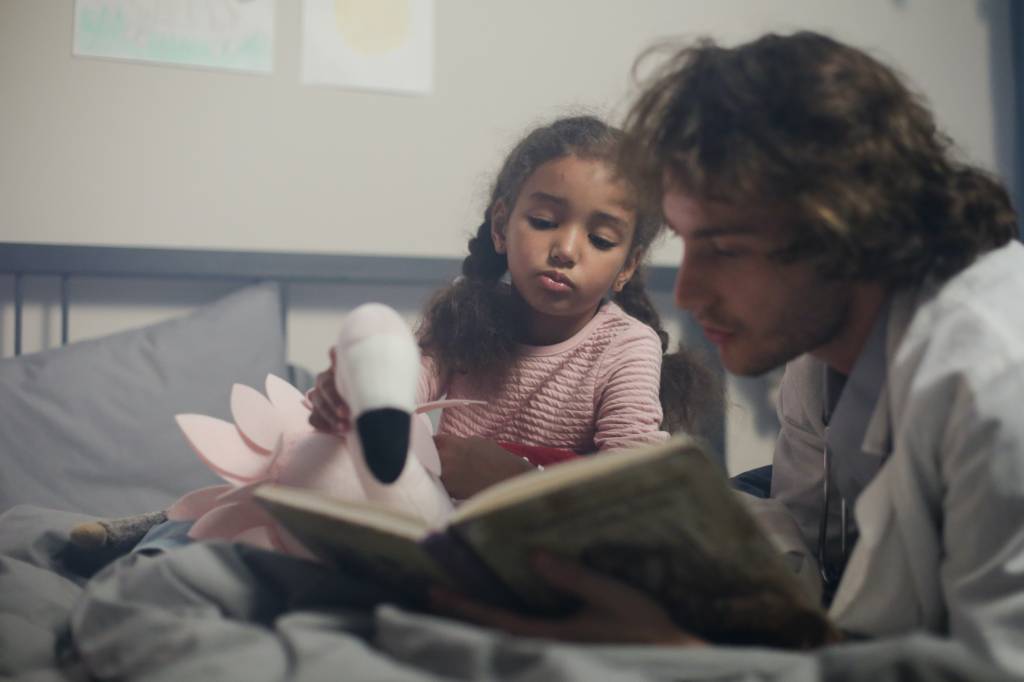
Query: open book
{"x": 660, "y": 517}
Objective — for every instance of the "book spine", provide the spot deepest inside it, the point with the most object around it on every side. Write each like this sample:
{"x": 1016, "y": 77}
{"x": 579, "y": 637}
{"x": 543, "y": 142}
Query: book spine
{"x": 472, "y": 576}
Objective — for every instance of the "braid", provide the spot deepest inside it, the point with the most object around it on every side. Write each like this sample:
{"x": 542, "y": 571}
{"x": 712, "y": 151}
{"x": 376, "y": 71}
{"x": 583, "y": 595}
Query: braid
{"x": 633, "y": 299}
{"x": 484, "y": 263}
{"x": 691, "y": 394}
{"x": 469, "y": 327}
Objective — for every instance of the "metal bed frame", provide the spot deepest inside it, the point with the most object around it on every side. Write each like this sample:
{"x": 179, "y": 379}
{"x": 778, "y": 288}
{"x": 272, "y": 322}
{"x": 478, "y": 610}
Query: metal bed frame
{"x": 285, "y": 268}
{"x": 65, "y": 262}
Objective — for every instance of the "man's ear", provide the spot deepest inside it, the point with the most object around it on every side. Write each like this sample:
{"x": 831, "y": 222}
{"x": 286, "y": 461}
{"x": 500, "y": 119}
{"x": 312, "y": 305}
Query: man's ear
{"x": 628, "y": 270}
{"x": 499, "y": 219}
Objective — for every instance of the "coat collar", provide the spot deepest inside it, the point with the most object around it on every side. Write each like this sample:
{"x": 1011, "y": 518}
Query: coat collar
{"x": 900, "y": 311}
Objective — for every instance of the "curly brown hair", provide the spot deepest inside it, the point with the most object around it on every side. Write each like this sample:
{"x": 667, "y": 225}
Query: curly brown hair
{"x": 472, "y": 326}
{"x": 809, "y": 122}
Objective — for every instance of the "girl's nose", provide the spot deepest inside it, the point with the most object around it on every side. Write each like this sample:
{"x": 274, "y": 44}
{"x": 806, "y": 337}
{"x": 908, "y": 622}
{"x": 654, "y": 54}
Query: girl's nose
{"x": 565, "y": 246}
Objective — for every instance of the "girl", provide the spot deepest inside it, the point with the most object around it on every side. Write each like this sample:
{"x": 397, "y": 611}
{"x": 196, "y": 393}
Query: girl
{"x": 558, "y": 363}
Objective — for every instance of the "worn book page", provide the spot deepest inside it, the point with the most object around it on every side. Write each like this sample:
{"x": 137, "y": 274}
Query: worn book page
{"x": 670, "y": 526}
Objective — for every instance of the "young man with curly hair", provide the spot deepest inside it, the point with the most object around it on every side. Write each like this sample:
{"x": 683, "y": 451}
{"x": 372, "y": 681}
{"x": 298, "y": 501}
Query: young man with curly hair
{"x": 828, "y": 227}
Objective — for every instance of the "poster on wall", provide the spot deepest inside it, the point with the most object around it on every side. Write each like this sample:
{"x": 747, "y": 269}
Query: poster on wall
{"x": 385, "y": 45}
{"x": 221, "y": 34}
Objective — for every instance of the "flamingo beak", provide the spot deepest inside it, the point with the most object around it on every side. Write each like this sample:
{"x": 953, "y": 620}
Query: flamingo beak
{"x": 384, "y": 435}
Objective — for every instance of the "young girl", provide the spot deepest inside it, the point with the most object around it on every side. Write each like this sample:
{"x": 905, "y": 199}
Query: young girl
{"x": 567, "y": 353}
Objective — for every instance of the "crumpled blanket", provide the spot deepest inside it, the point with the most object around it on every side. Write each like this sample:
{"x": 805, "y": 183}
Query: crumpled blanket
{"x": 222, "y": 611}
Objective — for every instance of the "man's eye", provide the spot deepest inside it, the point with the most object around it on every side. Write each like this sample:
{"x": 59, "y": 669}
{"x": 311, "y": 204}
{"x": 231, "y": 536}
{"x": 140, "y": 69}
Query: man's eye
{"x": 601, "y": 242}
{"x": 540, "y": 223}
{"x": 725, "y": 251}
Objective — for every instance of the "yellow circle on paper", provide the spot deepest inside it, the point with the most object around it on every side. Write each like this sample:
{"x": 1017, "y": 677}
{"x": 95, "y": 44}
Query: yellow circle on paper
{"x": 372, "y": 26}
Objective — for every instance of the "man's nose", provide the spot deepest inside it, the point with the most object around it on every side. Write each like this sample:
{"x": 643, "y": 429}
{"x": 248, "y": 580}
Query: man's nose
{"x": 691, "y": 288}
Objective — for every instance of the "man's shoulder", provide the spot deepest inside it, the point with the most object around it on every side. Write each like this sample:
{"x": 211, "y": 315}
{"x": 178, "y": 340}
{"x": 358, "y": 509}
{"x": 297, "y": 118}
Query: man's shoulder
{"x": 984, "y": 301}
{"x": 971, "y": 325}
{"x": 993, "y": 277}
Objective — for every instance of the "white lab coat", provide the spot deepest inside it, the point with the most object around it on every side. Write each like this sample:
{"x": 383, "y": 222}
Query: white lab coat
{"x": 942, "y": 523}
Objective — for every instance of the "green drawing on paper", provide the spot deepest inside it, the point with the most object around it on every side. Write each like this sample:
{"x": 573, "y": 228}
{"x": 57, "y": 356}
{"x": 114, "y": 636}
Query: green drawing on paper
{"x": 228, "y": 34}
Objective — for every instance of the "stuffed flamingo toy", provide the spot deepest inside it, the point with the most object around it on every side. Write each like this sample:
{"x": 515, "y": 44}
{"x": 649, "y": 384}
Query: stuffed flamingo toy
{"x": 388, "y": 457}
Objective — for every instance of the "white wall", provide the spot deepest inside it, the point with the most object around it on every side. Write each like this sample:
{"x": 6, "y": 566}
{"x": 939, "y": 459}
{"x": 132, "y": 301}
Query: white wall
{"x": 108, "y": 152}
{"x": 111, "y": 152}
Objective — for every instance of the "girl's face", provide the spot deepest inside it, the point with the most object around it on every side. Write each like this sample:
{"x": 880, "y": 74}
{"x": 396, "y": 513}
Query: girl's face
{"x": 569, "y": 241}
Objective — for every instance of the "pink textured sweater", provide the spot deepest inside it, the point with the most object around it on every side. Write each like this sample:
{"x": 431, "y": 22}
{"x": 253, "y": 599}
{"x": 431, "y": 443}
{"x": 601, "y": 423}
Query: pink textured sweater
{"x": 595, "y": 391}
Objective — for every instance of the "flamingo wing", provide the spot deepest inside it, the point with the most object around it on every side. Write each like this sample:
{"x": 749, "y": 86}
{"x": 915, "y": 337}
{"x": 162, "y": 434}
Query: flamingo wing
{"x": 289, "y": 402}
{"x": 219, "y": 444}
{"x": 421, "y": 444}
{"x": 228, "y": 521}
{"x": 255, "y": 417}
{"x": 196, "y": 503}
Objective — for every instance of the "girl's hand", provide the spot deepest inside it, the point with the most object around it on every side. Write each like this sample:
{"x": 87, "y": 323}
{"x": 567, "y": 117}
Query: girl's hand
{"x": 468, "y": 465}
{"x": 330, "y": 411}
{"x": 611, "y": 611}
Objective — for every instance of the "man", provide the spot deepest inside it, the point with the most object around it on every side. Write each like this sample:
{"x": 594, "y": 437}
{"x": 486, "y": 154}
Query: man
{"x": 827, "y": 227}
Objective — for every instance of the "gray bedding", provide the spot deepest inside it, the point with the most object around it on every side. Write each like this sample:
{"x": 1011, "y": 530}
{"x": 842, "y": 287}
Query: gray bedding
{"x": 217, "y": 611}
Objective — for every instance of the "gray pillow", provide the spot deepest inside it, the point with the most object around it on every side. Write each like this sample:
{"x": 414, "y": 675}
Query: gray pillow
{"x": 90, "y": 427}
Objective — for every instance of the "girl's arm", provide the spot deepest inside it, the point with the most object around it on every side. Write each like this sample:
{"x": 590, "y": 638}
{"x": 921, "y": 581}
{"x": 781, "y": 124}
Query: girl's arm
{"x": 430, "y": 386}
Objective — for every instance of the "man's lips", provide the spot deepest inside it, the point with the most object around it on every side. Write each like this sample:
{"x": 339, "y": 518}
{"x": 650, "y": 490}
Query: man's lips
{"x": 555, "y": 281}
{"x": 716, "y": 335}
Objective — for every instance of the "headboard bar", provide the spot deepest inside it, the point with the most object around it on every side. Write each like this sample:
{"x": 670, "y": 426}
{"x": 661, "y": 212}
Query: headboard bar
{"x": 18, "y": 301}
{"x": 66, "y": 261}
{"x": 65, "y": 306}
{"x": 285, "y": 268}
{"x": 119, "y": 261}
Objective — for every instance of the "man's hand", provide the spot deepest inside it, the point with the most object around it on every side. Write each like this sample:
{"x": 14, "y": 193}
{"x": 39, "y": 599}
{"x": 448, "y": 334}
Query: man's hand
{"x": 611, "y": 612}
{"x": 468, "y": 465}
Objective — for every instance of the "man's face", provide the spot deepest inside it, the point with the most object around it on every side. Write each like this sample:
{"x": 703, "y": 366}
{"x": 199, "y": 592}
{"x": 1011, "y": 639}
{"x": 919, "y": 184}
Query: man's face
{"x": 759, "y": 311}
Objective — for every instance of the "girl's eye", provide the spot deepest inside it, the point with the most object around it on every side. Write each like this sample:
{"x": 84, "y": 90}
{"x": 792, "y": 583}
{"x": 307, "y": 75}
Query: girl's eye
{"x": 540, "y": 223}
{"x": 601, "y": 243}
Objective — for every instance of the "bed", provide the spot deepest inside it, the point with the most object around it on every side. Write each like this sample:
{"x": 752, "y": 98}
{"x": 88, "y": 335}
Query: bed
{"x": 86, "y": 431}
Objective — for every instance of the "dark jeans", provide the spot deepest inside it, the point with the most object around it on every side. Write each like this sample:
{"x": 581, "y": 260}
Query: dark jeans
{"x": 757, "y": 482}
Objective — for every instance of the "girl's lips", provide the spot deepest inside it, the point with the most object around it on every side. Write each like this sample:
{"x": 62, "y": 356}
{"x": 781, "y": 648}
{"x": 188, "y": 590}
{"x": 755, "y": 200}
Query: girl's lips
{"x": 554, "y": 282}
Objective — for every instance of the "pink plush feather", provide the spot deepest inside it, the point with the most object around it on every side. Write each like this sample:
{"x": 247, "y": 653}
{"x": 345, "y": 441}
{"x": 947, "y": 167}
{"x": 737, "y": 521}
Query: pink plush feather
{"x": 257, "y": 420}
{"x": 219, "y": 444}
